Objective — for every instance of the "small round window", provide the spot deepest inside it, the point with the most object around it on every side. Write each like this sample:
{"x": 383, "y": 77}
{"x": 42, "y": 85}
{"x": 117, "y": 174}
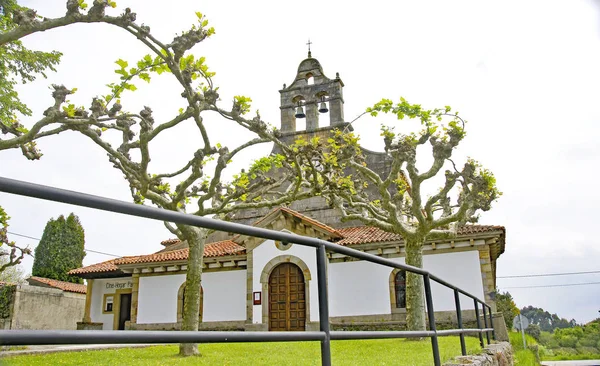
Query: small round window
{"x": 283, "y": 246}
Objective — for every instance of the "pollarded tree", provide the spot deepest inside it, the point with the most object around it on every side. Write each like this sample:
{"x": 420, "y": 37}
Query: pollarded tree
{"x": 126, "y": 137}
{"x": 394, "y": 200}
{"x": 18, "y": 63}
{"x": 11, "y": 254}
{"x": 61, "y": 249}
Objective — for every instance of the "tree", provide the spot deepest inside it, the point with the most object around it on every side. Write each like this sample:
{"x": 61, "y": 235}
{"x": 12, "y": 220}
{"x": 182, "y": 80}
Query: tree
{"x": 507, "y": 307}
{"x": 534, "y": 331}
{"x": 394, "y": 201}
{"x": 11, "y": 274}
{"x": 19, "y": 63}
{"x": 10, "y": 253}
{"x": 126, "y": 136}
{"x": 547, "y": 322}
{"x": 60, "y": 250}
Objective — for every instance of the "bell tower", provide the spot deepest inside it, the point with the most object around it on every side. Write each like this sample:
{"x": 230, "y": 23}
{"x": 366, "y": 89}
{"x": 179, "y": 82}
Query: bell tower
{"x": 312, "y": 95}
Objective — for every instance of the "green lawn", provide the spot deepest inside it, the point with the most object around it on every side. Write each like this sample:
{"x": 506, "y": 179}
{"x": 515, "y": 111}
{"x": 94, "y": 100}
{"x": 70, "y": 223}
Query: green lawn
{"x": 363, "y": 352}
{"x": 523, "y": 357}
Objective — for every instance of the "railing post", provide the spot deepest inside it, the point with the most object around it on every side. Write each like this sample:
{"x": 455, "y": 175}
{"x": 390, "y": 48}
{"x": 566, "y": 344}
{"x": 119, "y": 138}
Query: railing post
{"x": 478, "y": 322}
{"x": 487, "y": 333}
{"x": 492, "y": 323}
{"x": 431, "y": 316}
{"x": 323, "y": 305}
{"x": 463, "y": 346}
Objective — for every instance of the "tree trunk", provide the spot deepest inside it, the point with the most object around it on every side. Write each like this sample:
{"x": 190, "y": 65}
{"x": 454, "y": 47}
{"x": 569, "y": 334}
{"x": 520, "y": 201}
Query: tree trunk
{"x": 415, "y": 300}
{"x": 195, "y": 238}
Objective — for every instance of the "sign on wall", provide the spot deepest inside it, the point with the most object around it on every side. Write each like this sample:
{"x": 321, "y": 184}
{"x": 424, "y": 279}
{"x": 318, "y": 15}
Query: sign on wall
{"x": 118, "y": 285}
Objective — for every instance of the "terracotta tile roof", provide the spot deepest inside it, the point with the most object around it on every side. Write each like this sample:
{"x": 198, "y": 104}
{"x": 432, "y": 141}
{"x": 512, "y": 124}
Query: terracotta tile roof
{"x": 312, "y": 221}
{"x": 61, "y": 285}
{"x": 108, "y": 266}
{"x": 170, "y": 241}
{"x": 218, "y": 249}
{"x": 335, "y": 233}
{"x": 368, "y": 234}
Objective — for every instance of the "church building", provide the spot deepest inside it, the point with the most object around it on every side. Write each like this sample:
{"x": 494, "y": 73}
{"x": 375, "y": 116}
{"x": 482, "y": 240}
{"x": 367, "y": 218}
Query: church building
{"x": 260, "y": 285}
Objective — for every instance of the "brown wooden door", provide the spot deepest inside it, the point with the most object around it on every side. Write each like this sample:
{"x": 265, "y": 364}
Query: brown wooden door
{"x": 287, "y": 298}
{"x": 124, "y": 310}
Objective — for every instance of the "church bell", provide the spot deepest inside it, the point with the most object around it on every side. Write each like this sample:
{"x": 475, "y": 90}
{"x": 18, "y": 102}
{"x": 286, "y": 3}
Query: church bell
{"x": 300, "y": 112}
{"x": 323, "y": 108}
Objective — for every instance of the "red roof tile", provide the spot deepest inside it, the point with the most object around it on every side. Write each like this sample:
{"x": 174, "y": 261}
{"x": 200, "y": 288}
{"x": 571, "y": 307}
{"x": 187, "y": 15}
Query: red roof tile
{"x": 218, "y": 249}
{"x": 61, "y": 285}
{"x": 312, "y": 221}
{"x": 368, "y": 234}
{"x": 108, "y": 266}
{"x": 170, "y": 241}
{"x": 334, "y": 233}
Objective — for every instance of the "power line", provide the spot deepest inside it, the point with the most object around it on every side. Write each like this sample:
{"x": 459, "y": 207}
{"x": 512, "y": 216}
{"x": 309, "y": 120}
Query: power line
{"x": 549, "y": 274}
{"x": 565, "y": 285}
{"x": 87, "y": 250}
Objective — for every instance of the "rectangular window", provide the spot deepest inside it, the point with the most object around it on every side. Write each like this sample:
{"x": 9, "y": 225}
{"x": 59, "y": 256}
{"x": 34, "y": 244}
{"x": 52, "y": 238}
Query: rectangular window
{"x": 107, "y": 306}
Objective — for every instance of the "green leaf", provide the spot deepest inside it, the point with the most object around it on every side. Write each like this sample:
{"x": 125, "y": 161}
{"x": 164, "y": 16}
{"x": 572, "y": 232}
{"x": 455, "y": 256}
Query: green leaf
{"x": 122, "y": 63}
{"x": 145, "y": 76}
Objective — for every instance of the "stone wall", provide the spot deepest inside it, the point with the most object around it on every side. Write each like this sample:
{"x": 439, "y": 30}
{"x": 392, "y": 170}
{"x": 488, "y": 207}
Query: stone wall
{"x": 45, "y": 308}
{"x": 497, "y": 354}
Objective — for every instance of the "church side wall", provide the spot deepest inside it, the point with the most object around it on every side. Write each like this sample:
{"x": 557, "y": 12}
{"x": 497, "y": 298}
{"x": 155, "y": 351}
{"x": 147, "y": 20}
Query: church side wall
{"x": 264, "y": 253}
{"x": 157, "y": 298}
{"x": 362, "y": 288}
{"x": 224, "y": 297}
{"x": 99, "y": 289}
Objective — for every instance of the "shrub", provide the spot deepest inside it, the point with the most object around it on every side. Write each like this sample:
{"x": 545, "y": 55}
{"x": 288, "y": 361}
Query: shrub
{"x": 565, "y": 351}
{"x": 567, "y": 341}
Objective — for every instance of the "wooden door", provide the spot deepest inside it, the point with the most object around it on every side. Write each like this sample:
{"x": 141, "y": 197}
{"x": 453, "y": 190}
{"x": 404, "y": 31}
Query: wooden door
{"x": 287, "y": 298}
{"x": 124, "y": 310}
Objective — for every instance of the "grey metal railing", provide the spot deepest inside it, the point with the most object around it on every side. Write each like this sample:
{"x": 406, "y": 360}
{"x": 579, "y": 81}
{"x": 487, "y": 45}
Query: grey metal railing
{"x": 324, "y": 335}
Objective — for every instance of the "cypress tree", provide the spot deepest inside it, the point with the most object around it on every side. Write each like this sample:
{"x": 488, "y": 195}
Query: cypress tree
{"x": 60, "y": 250}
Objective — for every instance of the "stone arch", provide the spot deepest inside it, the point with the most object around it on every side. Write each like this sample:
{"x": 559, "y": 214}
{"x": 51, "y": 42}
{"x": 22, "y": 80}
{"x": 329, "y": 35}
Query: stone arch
{"x": 180, "y": 297}
{"x": 310, "y": 80}
{"x": 264, "y": 280}
{"x": 393, "y": 300}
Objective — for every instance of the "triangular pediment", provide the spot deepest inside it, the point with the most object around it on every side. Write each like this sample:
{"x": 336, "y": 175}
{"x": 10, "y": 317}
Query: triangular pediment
{"x": 283, "y": 218}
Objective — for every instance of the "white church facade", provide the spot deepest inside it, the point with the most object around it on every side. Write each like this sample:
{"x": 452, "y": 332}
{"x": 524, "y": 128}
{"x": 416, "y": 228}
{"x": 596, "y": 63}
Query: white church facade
{"x": 255, "y": 284}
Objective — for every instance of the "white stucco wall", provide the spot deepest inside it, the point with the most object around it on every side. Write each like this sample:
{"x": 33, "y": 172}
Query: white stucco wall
{"x": 157, "y": 298}
{"x": 362, "y": 288}
{"x": 101, "y": 287}
{"x": 266, "y": 251}
{"x": 224, "y": 297}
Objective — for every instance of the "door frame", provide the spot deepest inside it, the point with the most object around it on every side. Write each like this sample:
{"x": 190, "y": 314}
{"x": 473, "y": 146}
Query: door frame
{"x": 117, "y": 306}
{"x": 264, "y": 280}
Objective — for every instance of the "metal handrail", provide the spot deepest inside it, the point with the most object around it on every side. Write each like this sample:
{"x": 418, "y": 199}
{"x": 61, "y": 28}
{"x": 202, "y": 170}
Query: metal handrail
{"x": 324, "y": 336}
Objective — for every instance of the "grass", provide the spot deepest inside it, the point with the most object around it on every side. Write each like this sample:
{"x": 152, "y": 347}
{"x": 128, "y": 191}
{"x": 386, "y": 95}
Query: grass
{"x": 523, "y": 357}
{"x": 355, "y": 352}
{"x": 584, "y": 356}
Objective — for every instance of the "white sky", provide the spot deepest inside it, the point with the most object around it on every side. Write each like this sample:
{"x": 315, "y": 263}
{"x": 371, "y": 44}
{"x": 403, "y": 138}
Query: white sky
{"x": 524, "y": 74}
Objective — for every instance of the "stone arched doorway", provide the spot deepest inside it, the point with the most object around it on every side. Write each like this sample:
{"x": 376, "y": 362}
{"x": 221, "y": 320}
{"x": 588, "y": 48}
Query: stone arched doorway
{"x": 287, "y": 298}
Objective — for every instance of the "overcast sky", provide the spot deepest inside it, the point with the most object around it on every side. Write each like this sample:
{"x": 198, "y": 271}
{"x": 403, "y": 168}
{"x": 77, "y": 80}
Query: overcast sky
{"x": 525, "y": 75}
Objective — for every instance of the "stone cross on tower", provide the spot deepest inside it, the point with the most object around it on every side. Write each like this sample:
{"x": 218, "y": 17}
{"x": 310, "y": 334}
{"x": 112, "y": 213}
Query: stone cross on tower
{"x": 310, "y": 88}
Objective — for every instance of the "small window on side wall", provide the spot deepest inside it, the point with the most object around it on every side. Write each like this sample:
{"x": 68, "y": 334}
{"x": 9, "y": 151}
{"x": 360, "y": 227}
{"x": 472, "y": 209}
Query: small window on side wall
{"x": 397, "y": 281}
{"x": 107, "y": 306}
{"x": 400, "y": 289}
